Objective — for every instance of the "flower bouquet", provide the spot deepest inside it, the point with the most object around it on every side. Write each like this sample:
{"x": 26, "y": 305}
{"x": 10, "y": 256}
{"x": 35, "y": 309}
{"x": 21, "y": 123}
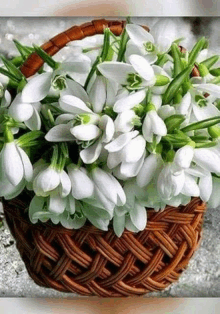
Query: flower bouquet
{"x": 108, "y": 155}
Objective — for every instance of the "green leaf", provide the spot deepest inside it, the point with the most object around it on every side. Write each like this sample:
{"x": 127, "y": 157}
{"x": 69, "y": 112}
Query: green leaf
{"x": 196, "y": 50}
{"x": 175, "y": 85}
{"x": 210, "y": 61}
{"x": 9, "y": 75}
{"x": 123, "y": 44}
{"x": 47, "y": 58}
{"x": 215, "y": 72}
{"x": 173, "y": 122}
{"x": 23, "y": 50}
{"x": 12, "y": 68}
{"x": 201, "y": 124}
{"x": 28, "y": 139}
{"x": 176, "y": 59}
{"x": 206, "y": 144}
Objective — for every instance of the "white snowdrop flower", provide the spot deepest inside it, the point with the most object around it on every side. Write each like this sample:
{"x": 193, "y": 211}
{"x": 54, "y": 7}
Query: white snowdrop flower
{"x": 81, "y": 185}
{"x": 15, "y": 164}
{"x": 107, "y": 190}
{"x": 184, "y": 156}
{"x": 148, "y": 169}
{"x": 27, "y": 112}
{"x": 208, "y": 159}
{"x": 153, "y": 125}
{"x": 128, "y": 151}
{"x": 124, "y": 121}
{"x": 138, "y": 74}
{"x": 170, "y": 182}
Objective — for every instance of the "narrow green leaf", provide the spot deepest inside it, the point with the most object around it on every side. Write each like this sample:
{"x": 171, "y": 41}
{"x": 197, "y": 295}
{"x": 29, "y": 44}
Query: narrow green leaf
{"x": 206, "y": 144}
{"x": 201, "y": 124}
{"x": 175, "y": 85}
{"x": 12, "y": 68}
{"x": 9, "y": 75}
{"x": 177, "y": 60}
{"x": 123, "y": 44}
{"x": 23, "y": 50}
{"x": 215, "y": 72}
{"x": 196, "y": 50}
{"x": 47, "y": 58}
{"x": 173, "y": 122}
{"x": 210, "y": 61}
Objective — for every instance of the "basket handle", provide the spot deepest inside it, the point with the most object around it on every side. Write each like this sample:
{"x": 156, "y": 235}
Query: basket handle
{"x": 34, "y": 61}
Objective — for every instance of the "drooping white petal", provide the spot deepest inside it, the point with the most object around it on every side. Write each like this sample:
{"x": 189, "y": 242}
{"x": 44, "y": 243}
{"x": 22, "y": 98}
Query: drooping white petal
{"x": 139, "y": 216}
{"x": 91, "y": 153}
{"x": 34, "y": 123}
{"x": 37, "y": 88}
{"x": 75, "y": 89}
{"x": 120, "y": 141}
{"x": 20, "y": 110}
{"x": 129, "y": 102}
{"x": 147, "y": 129}
{"x": 73, "y": 104}
{"x": 185, "y": 104}
{"x": 10, "y": 191}
{"x": 123, "y": 122}
{"x": 97, "y": 94}
{"x": 164, "y": 33}
{"x": 214, "y": 200}
{"x": 207, "y": 159}
{"x": 28, "y": 168}
{"x": 208, "y": 111}
{"x": 64, "y": 118}
{"x": 166, "y": 111}
{"x": 184, "y": 156}
{"x": 209, "y": 88}
{"x": 36, "y": 205}
{"x": 138, "y": 34}
{"x": 157, "y": 101}
{"x": 46, "y": 181}
{"x": 116, "y": 71}
{"x": 65, "y": 184}
{"x": 133, "y": 151}
{"x": 190, "y": 187}
{"x": 59, "y": 133}
{"x": 119, "y": 224}
{"x": 107, "y": 125}
{"x": 57, "y": 204}
{"x": 121, "y": 197}
{"x": 85, "y": 132}
{"x": 142, "y": 66}
{"x": 12, "y": 163}
{"x": 71, "y": 205}
{"x": 82, "y": 185}
{"x": 94, "y": 218}
{"x": 131, "y": 169}
{"x": 114, "y": 159}
{"x": 205, "y": 187}
{"x": 157, "y": 124}
{"x": 108, "y": 204}
{"x": 148, "y": 170}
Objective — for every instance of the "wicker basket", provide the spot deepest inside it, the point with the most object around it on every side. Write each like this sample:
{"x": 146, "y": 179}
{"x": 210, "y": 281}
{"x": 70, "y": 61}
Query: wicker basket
{"x": 90, "y": 261}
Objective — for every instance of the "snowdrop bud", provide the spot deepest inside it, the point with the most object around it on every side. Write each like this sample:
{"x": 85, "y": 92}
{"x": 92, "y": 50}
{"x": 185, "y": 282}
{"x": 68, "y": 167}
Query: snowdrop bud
{"x": 184, "y": 156}
{"x": 82, "y": 185}
{"x": 46, "y": 181}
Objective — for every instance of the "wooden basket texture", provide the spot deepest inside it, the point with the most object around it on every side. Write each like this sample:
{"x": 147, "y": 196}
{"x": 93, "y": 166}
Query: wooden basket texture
{"x": 89, "y": 261}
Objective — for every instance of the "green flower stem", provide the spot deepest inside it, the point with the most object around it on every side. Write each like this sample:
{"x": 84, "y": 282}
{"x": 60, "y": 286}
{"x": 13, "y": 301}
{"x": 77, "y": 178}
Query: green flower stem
{"x": 55, "y": 157}
{"x": 123, "y": 44}
{"x": 8, "y": 135}
{"x": 101, "y": 58}
{"x": 30, "y": 138}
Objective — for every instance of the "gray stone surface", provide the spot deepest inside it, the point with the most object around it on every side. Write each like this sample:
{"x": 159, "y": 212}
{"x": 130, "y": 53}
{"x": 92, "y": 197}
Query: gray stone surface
{"x": 202, "y": 277}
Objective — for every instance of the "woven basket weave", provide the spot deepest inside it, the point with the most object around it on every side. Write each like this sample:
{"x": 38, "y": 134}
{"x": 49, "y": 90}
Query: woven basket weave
{"x": 90, "y": 261}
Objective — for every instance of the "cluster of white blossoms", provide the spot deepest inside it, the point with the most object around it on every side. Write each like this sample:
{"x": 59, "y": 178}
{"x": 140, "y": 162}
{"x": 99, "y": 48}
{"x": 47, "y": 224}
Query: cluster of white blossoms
{"x": 123, "y": 124}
